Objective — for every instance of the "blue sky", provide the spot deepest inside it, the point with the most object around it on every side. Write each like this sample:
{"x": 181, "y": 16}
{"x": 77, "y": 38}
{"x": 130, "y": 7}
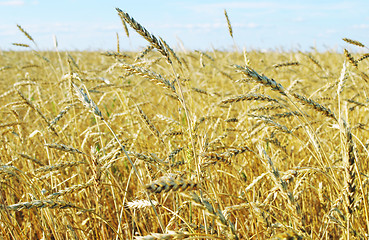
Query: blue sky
{"x": 264, "y": 24}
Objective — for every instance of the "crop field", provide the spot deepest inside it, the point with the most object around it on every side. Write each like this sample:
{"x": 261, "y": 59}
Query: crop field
{"x": 175, "y": 144}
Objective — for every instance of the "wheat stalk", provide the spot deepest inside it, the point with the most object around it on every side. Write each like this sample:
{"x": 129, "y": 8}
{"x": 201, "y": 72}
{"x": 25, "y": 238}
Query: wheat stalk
{"x": 148, "y": 123}
{"x": 71, "y": 189}
{"x": 84, "y": 98}
{"x": 350, "y": 170}
{"x": 30, "y": 104}
{"x": 204, "y": 204}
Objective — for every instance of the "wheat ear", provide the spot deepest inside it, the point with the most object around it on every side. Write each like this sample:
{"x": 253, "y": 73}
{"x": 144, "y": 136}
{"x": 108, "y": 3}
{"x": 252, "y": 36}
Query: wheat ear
{"x": 150, "y": 75}
{"x": 144, "y": 33}
{"x": 164, "y": 236}
{"x": 26, "y": 33}
{"x": 353, "y": 42}
{"x": 350, "y": 58}
{"x": 21, "y": 45}
{"x": 228, "y": 23}
{"x": 251, "y": 73}
{"x": 39, "y": 204}
{"x": 249, "y": 97}
{"x": 170, "y": 182}
{"x": 304, "y": 100}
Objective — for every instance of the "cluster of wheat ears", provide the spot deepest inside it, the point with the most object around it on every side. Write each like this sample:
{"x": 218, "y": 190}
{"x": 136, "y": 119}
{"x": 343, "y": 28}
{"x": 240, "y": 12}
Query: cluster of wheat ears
{"x": 166, "y": 144}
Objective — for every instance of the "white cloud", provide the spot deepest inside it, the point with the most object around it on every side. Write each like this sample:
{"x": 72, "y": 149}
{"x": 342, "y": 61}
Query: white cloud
{"x": 12, "y": 3}
{"x": 8, "y": 30}
{"x": 274, "y": 5}
{"x": 208, "y": 26}
{"x": 361, "y": 26}
{"x": 237, "y": 5}
{"x": 299, "y": 19}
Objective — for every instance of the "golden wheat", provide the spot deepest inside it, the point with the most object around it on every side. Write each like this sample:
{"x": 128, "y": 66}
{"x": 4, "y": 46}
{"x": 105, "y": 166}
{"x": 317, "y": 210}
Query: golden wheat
{"x": 240, "y": 155}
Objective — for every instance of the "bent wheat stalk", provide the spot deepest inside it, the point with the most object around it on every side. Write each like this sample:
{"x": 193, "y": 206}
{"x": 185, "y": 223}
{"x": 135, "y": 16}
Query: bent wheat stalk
{"x": 89, "y": 103}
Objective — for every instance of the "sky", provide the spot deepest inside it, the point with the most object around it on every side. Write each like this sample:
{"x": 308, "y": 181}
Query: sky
{"x": 192, "y": 24}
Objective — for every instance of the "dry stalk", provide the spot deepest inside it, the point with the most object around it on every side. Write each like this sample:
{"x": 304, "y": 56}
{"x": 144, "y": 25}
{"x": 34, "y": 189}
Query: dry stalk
{"x": 282, "y": 184}
{"x": 204, "y": 204}
{"x": 350, "y": 171}
{"x": 93, "y": 107}
{"x": 30, "y": 104}
{"x": 71, "y": 189}
{"x": 148, "y": 123}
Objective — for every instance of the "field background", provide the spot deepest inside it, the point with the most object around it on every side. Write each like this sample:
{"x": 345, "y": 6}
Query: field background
{"x": 183, "y": 145}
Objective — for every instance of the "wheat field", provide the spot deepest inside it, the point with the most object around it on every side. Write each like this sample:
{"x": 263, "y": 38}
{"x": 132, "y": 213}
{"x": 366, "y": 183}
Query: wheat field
{"x": 165, "y": 144}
